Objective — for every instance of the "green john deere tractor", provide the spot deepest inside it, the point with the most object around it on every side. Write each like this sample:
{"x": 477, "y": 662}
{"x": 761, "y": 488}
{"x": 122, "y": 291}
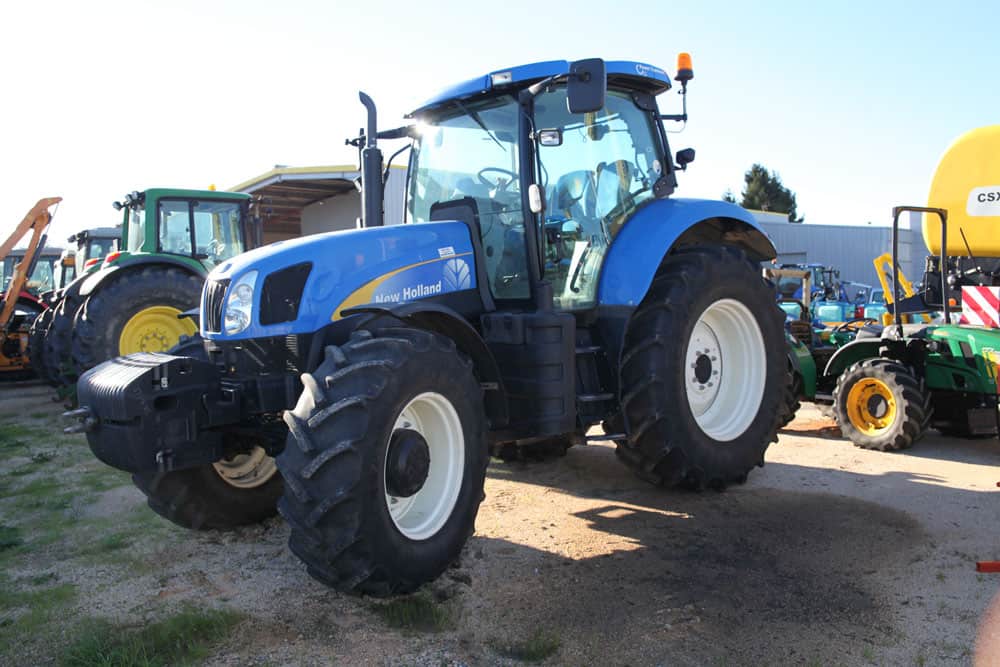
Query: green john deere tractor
{"x": 132, "y": 302}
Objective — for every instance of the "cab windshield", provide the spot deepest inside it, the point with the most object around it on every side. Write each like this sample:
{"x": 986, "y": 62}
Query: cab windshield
{"x": 469, "y": 155}
{"x": 208, "y": 230}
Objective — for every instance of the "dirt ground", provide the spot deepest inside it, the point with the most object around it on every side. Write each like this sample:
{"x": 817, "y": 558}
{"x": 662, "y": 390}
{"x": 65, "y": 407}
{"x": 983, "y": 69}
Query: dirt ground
{"x": 829, "y": 555}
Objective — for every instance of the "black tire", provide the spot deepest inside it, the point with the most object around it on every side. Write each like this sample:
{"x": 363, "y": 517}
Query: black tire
{"x": 791, "y": 404}
{"x": 36, "y": 345}
{"x": 334, "y": 463}
{"x": 912, "y": 405}
{"x": 58, "y": 341}
{"x": 665, "y": 444}
{"x": 99, "y": 325}
{"x": 199, "y": 498}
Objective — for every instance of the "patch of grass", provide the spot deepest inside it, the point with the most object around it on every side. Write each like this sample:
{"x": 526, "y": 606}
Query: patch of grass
{"x": 182, "y": 638}
{"x": 42, "y": 579}
{"x": 42, "y": 457}
{"x": 105, "y": 544}
{"x": 417, "y": 612}
{"x": 10, "y": 537}
{"x": 39, "y": 415}
{"x": 536, "y": 648}
{"x": 868, "y": 654}
{"x": 31, "y": 612}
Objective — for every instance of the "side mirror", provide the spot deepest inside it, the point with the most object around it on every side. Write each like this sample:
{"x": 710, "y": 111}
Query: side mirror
{"x": 550, "y": 138}
{"x": 685, "y": 157}
{"x": 587, "y": 86}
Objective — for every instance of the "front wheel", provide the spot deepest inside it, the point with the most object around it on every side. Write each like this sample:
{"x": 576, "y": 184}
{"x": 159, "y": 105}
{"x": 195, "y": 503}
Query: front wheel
{"x": 238, "y": 490}
{"x": 704, "y": 376}
{"x": 880, "y": 404}
{"x": 385, "y": 462}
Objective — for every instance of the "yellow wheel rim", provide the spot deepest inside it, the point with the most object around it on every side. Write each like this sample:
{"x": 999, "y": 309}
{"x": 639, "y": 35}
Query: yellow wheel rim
{"x": 154, "y": 329}
{"x": 871, "y": 406}
{"x": 247, "y": 471}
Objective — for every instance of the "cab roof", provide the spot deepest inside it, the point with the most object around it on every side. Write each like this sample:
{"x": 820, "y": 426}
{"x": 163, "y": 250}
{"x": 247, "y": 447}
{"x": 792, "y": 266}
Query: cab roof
{"x": 630, "y": 74}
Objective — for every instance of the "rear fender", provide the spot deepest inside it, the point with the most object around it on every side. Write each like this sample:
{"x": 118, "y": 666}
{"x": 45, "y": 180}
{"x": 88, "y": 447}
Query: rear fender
{"x": 801, "y": 362}
{"x": 94, "y": 280}
{"x": 662, "y": 225}
{"x": 445, "y": 321}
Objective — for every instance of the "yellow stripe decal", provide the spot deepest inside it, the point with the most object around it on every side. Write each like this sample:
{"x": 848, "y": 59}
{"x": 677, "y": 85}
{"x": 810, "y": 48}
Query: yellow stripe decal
{"x": 363, "y": 295}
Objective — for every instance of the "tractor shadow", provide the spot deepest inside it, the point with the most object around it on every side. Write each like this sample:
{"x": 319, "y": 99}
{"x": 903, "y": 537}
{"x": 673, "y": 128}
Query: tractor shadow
{"x": 770, "y": 575}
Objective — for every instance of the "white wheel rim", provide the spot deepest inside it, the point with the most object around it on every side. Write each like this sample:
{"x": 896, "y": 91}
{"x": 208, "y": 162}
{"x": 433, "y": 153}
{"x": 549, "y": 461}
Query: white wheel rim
{"x": 247, "y": 471}
{"x": 423, "y": 514}
{"x": 725, "y": 370}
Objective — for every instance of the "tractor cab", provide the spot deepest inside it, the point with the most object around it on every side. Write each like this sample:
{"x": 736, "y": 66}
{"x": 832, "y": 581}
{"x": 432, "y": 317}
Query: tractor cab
{"x": 93, "y": 245}
{"x": 198, "y": 228}
{"x": 43, "y": 274}
{"x": 549, "y": 189}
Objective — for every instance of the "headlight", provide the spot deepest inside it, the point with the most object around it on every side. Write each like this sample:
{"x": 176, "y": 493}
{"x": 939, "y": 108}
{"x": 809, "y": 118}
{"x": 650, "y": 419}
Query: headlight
{"x": 239, "y": 306}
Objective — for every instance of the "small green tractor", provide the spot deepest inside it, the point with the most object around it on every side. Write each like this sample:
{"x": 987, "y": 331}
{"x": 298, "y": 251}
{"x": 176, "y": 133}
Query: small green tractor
{"x": 891, "y": 382}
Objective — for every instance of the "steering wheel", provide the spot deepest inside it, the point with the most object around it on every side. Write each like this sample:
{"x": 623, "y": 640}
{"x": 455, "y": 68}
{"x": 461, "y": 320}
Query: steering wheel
{"x": 490, "y": 184}
{"x": 851, "y": 326}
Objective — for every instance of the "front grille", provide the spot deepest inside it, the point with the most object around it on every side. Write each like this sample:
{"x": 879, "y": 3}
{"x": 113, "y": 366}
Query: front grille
{"x": 213, "y": 301}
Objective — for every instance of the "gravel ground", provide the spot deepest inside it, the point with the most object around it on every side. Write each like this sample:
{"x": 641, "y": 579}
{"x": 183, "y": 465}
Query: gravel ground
{"x": 829, "y": 555}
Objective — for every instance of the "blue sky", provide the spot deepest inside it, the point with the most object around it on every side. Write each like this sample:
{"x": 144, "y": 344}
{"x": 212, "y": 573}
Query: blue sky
{"x": 852, "y": 103}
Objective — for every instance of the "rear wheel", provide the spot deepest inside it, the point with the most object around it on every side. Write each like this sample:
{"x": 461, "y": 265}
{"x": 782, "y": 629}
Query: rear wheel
{"x": 137, "y": 312}
{"x": 235, "y": 491}
{"x": 36, "y": 345}
{"x": 704, "y": 378}
{"x": 880, "y": 404}
{"x": 385, "y": 462}
{"x": 58, "y": 342}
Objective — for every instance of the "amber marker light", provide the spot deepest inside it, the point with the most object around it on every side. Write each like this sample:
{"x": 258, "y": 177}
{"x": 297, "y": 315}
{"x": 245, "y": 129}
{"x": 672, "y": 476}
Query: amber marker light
{"x": 112, "y": 256}
{"x": 684, "y": 70}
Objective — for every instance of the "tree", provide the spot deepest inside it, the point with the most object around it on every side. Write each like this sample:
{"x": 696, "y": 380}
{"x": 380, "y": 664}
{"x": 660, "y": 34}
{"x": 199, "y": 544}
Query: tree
{"x": 764, "y": 191}
{"x": 729, "y": 196}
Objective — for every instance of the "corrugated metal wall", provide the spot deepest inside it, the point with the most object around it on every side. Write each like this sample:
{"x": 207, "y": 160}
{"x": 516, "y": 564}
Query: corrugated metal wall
{"x": 848, "y": 248}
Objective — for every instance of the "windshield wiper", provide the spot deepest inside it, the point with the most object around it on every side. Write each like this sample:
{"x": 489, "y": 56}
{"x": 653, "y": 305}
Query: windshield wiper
{"x": 479, "y": 121}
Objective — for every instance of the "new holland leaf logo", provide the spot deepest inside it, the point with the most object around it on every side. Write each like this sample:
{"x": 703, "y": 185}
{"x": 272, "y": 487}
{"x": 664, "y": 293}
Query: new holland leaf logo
{"x": 457, "y": 275}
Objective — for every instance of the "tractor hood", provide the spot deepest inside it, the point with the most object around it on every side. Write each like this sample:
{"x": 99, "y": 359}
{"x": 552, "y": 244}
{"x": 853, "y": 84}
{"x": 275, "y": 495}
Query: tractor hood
{"x": 348, "y": 268}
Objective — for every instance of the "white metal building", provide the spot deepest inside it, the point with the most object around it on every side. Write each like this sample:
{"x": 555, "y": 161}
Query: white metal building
{"x": 849, "y": 248}
{"x": 297, "y": 201}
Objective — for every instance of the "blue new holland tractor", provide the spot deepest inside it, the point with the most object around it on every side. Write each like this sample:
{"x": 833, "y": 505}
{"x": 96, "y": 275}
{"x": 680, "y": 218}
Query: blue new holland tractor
{"x": 546, "y": 281}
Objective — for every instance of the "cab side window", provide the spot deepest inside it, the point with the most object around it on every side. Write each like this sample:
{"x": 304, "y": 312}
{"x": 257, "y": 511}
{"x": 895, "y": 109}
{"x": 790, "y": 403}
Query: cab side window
{"x": 175, "y": 227}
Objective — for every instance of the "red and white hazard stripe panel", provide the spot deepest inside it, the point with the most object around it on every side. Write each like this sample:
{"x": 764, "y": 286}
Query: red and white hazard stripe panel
{"x": 981, "y": 306}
